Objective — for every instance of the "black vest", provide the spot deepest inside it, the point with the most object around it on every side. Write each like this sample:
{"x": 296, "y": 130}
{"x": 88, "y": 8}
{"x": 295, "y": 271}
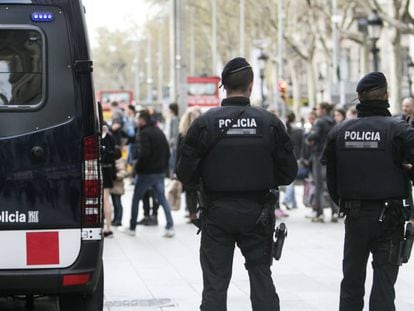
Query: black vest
{"x": 369, "y": 159}
{"x": 243, "y": 159}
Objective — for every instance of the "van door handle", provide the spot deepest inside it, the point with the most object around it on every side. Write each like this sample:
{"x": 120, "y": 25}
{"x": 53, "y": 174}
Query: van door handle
{"x": 38, "y": 153}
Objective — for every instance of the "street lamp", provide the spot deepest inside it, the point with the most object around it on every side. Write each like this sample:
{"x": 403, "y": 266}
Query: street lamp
{"x": 374, "y": 31}
{"x": 263, "y": 58}
{"x": 410, "y": 71}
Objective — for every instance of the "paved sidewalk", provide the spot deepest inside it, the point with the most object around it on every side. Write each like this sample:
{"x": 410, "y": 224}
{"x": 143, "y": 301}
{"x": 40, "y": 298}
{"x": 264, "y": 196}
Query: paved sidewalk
{"x": 149, "y": 272}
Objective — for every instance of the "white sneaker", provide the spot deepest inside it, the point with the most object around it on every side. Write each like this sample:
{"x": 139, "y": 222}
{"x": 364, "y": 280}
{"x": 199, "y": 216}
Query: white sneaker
{"x": 127, "y": 231}
{"x": 311, "y": 214}
{"x": 169, "y": 233}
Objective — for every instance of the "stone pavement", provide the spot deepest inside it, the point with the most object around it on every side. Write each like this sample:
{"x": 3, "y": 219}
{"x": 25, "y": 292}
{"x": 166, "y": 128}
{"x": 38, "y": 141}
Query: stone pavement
{"x": 149, "y": 272}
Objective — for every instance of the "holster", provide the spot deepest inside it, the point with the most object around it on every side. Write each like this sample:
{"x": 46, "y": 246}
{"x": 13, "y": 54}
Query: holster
{"x": 407, "y": 244}
{"x": 280, "y": 236}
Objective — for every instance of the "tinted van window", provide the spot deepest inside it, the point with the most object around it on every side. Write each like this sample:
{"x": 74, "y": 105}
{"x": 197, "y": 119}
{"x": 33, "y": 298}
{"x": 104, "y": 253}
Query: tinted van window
{"x": 21, "y": 67}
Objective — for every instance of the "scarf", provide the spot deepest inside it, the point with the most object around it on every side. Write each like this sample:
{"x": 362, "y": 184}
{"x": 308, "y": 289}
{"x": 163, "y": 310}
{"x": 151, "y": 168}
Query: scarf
{"x": 372, "y": 108}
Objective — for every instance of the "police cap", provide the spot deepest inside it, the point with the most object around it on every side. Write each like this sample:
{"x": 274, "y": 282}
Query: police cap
{"x": 370, "y": 82}
{"x": 235, "y": 65}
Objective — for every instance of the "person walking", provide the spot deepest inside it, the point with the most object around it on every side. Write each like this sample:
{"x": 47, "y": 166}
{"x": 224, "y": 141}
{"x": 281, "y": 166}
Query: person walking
{"x": 296, "y": 134}
{"x": 317, "y": 138}
{"x": 365, "y": 160}
{"x": 108, "y": 176}
{"x": 236, "y": 154}
{"x": 118, "y": 189}
{"x": 151, "y": 166}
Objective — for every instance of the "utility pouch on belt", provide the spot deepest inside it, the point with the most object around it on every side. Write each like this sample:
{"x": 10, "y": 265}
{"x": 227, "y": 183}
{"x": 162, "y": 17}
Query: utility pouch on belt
{"x": 407, "y": 243}
{"x": 349, "y": 207}
{"x": 280, "y": 236}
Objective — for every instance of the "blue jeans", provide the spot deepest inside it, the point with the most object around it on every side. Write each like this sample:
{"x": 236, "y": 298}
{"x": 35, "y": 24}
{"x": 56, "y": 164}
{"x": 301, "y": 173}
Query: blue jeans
{"x": 142, "y": 183}
{"x": 290, "y": 197}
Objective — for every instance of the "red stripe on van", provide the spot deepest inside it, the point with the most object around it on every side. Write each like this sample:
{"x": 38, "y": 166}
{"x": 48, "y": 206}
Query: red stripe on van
{"x": 42, "y": 248}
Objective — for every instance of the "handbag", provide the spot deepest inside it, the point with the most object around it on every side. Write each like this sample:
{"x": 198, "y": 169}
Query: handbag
{"x": 174, "y": 190}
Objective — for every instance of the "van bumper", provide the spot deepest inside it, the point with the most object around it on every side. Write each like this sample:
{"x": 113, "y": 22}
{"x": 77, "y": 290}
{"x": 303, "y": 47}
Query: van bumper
{"x": 50, "y": 281}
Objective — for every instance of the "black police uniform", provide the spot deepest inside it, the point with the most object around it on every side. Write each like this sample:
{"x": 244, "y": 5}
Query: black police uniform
{"x": 364, "y": 160}
{"x": 255, "y": 155}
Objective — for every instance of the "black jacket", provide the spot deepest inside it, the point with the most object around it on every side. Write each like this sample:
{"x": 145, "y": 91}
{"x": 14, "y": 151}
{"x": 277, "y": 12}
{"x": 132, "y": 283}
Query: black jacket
{"x": 195, "y": 148}
{"x": 154, "y": 151}
{"x": 319, "y": 133}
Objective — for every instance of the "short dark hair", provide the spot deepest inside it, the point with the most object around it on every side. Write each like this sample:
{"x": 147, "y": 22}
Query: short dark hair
{"x": 290, "y": 117}
{"x": 341, "y": 111}
{"x": 131, "y": 107}
{"x": 174, "y": 108}
{"x": 375, "y": 94}
{"x": 146, "y": 116}
{"x": 114, "y": 104}
{"x": 326, "y": 106}
{"x": 239, "y": 81}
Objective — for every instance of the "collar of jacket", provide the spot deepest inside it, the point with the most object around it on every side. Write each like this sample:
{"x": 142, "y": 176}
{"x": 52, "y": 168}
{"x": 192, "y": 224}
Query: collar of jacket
{"x": 236, "y": 101}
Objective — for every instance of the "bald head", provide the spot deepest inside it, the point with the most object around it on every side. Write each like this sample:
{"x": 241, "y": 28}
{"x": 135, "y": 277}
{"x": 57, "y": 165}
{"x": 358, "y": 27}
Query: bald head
{"x": 407, "y": 106}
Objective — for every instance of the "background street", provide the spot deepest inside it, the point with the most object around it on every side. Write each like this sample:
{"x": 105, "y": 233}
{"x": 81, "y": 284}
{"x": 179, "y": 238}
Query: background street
{"x": 149, "y": 272}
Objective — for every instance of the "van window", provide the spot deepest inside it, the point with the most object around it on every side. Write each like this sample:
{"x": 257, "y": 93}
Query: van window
{"x": 21, "y": 67}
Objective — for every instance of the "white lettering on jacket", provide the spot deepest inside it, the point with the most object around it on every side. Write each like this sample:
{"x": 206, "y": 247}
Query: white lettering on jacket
{"x": 362, "y": 136}
{"x": 240, "y": 123}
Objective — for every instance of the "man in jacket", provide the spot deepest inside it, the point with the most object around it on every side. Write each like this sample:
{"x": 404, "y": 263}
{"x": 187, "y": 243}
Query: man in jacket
{"x": 317, "y": 138}
{"x": 152, "y": 163}
{"x": 237, "y": 153}
{"x": 368, "y": 176}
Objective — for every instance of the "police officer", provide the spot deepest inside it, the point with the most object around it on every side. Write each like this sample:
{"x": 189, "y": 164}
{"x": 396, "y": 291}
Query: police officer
{"x": 237, "y": 153}
{"x": 365, "y": 158}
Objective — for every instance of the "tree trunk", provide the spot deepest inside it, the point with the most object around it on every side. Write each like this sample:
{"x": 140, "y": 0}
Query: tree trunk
{"x": 396, "y": 72}
{"x": 295, "y": 88}
{"x": 310, "y": 71}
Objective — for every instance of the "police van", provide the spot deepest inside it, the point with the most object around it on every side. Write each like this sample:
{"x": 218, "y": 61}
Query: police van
{"x": 50, "y": 180}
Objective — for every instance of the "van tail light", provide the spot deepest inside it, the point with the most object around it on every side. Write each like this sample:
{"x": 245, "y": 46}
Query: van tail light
{"x": 92, "y": 185}
{"x": 76, "y": 279}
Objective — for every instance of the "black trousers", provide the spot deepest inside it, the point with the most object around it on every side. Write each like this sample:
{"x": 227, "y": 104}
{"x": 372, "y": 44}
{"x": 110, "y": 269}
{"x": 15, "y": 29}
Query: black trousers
{"x": 226, "y": 223}
{"x": 364, "y": 234}
{"x": 147, "y": 206}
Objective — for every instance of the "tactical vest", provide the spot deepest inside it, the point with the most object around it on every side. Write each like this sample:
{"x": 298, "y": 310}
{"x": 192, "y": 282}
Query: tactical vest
{"x": 369, "y": 160}
{"x": 242, "y": 160}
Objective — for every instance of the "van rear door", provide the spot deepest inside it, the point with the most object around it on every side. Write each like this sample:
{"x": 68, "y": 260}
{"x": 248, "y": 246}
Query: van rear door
{"x": 41, "y": 140}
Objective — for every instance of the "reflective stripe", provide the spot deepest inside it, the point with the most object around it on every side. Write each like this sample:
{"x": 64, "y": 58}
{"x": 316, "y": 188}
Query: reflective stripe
{"x": 39, "y": 249}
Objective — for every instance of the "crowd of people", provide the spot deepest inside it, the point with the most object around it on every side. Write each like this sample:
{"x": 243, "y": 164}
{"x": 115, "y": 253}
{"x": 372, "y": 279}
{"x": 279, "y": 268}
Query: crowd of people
{"x": 151, "y": 152}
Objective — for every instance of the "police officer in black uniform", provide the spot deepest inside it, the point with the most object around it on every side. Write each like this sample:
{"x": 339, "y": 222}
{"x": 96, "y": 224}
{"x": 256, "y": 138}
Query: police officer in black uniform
{"x": 368, "y": 177}
{"x": 238, "y": 153}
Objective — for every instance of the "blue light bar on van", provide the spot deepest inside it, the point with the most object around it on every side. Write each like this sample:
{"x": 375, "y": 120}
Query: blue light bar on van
{"x": 43, "y": 17}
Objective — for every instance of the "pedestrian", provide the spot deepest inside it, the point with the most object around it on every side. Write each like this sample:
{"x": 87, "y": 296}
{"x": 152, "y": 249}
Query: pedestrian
{"x": 130, "y": 133}
{"x": 364, "y": 160}
{"x": 296, "y": 134}
{"x": 339, "y": 115}
{"x": 190, "y": 193}
{"x": 351, "y": 113}
{"x": 317, "y": 138}
{"x": 118, "y": 189}
{"x": 407, "y": 107}
{"x": 237, "y": 153}
{"x": 173, "y": 133}
{"x": 117, "y": 123}
{"x": 108, "y": 175}
{"x": 151, "y": 166}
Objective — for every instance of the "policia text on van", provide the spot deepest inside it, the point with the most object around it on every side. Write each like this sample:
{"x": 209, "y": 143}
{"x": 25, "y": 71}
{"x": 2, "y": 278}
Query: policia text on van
{"x": 50, "y": 187}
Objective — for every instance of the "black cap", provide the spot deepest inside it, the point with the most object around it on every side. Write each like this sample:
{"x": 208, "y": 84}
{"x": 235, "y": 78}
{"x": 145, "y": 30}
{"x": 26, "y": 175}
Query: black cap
{"x": 370, "y": 82}
{"x": 235, "y": 65}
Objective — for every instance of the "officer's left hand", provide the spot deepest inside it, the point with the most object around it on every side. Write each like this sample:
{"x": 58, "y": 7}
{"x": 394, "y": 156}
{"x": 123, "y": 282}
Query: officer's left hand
{"x": 407, "y": 166}
{"x": 411, "y": 221}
